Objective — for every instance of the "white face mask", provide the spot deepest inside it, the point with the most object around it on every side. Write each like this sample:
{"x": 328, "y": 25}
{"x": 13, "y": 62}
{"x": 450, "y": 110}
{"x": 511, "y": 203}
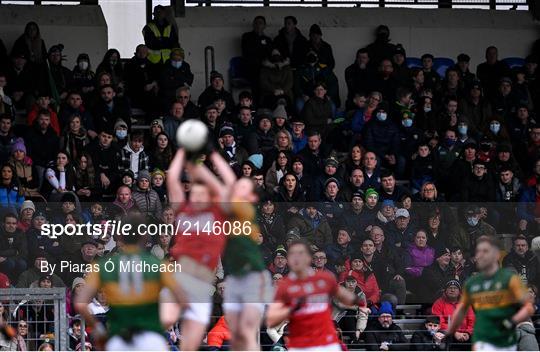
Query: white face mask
{"x": 176, "y": 64}
{"x": 381, "y": 116}
{"x": 83, "y": 65}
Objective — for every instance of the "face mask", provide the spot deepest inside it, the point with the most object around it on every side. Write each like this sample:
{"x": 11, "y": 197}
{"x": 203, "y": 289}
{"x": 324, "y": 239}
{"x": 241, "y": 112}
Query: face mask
{"x": 121, "y": 134}
{"x": 176, "y": 64}
{"x": 449, "y": 142}
{"x": 407, "y": 122}
{"x": 462, "y": 130}
{"x": 472, "y": 221}
{"x": 427, "y": 108}
{"x": 495, "y": 128}
{"x": 113, "y": 62}
{"x": 381, "y": 116}
{"x": 83, "y": 65}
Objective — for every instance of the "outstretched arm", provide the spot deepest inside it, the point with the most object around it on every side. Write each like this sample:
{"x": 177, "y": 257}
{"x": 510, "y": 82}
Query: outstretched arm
{"x": 223, "y": 168}
{"x": 174, "y": 186}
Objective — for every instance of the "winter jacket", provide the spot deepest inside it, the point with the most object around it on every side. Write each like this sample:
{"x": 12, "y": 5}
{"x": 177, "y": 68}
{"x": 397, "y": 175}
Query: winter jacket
{"x": 171, "y": 78}
{"x": 316, "y": 230}
{"x": 527, "y": 204}
{"x": 105, "y": 160}
{"x": 335, "y": 252}
{"x": 147, "y": 201}
{"x": 367, "y": 283}
{"x": 13, "y": 245}
{"x": 219, "y": 335}
{"x": 479, "y": 190}
{"x": 376, "y": 334}
{"x": 388, "y": 263}
{"x": 316, "y": 113}
{"x": 125, "y": 163}
{"x": 272, "y": 228}
{"x": 466, "y": 236}
{"x": 11, "y": 198}
{"x": 444, "y": 309}
{"x": 42, "y": 147}
{"x": 423, "y": 341}
{"x": 381, "y": 137}
{"x": 105, "y": 117}
{"x": 526, "y": 266}
{"x": 38, "y": 242}
{"x": 526, "y": 337}
{"x": 434, "y": 279}
{"x": 276, "y": 76}
{"x": 420, "y": 258}
{"x": 299, "y": 50}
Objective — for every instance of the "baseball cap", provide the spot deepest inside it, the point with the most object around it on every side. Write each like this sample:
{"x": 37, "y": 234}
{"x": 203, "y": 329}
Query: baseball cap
{"x": 402, "y": 213}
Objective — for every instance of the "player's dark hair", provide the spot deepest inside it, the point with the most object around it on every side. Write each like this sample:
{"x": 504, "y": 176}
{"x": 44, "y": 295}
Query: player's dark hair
{"x": 301, "y": 243}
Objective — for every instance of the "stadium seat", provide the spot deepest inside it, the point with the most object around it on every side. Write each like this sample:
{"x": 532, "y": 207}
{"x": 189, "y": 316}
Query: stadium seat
{"x": 413, "y": 62}
{"x": 441, "y": 64}
{"x": 238, "y": 73}
{"x": 514, "y": 62}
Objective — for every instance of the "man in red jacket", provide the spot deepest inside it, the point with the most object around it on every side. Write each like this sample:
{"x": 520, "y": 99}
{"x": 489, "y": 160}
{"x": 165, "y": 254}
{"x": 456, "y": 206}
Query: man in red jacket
{"x": 445, "y": 306}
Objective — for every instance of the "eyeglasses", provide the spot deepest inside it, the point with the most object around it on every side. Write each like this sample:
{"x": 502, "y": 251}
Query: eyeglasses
{"x": 429, "y": 189}
{"x": 23, "y": 325}
{"x": 319, "y": 258}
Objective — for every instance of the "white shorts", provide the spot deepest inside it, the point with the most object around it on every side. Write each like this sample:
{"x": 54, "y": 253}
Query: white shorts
{"x": 331, "y": 347}
{"x": 486, "y": 346}
{"x": 199, "y": 295}
{"x": 254, "y": 289}
{"x": 142, "y": 341}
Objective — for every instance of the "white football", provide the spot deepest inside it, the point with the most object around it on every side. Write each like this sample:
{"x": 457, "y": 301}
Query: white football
{"x": 192, "y": 135}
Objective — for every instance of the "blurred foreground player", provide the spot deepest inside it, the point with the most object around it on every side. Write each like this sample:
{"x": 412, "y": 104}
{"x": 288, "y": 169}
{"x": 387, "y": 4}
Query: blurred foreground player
{"x": 499, "y": 298}
{"x": 304, "y": 298}
{"x": 133, "y": 322}
{"x": 199, "y": 240}
{"x": 249, "y": 285}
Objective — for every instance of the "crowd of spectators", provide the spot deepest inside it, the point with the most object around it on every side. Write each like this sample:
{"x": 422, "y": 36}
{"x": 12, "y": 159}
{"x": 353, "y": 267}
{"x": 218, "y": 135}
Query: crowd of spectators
{"x": 391, "y": 186}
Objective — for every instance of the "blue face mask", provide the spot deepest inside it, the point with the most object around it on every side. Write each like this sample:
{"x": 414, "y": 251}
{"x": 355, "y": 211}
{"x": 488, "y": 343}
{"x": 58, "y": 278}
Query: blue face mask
{"x": 449, "y": 142}
{"x": 381, "y": 116}
{"x": 121, "y": 134}
{"x": 176, "y": 64}
{"x": 495, "y": 128}
{"x": 462, "y": 130}
{"x": 407, "y": 122}
{"x": 472, "y": 221}
{"x": 427, "y": 108}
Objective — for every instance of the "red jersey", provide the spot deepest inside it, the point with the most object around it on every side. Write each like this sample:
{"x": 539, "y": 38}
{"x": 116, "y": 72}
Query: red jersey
{"x": 311, "y": 325}
{"x": 198, "y": 234}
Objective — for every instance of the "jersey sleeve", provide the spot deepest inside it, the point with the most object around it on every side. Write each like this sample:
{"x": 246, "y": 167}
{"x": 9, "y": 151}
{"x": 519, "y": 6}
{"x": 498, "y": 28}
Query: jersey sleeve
{"x": 465, "y": 296}
{"x": 281, "y": 294}
{"x": 518, "y": 289}
{"x": 333, "y": 285}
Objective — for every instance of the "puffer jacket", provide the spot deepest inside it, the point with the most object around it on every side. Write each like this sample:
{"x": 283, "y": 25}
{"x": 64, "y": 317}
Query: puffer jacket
{"x": 444, "y": 309}
{"x": 147, "y": 201}
{"x": 316, "y": 231}
{"x": 420, "y": 258}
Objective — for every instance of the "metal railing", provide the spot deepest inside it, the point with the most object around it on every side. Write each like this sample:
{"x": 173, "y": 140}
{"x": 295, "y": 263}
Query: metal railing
{"x": 482, "y": 4}
{"x": 43, "y": 310}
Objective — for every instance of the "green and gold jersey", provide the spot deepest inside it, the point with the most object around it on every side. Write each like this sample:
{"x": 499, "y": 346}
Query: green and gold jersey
{"x": 494, "y": 299}
{"x": 242, "y": 254}
{"x": 132, "y": 290}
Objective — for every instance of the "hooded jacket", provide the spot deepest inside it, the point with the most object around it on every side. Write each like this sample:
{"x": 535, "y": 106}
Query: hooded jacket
{"x": 134, "y": 161}
{"x": 444, "y": 309}
{"x": 421, "y": 258}
{"x": 526, "y": 337}
{"x": 526, "y": 266}
{"x": 316, "y": 230}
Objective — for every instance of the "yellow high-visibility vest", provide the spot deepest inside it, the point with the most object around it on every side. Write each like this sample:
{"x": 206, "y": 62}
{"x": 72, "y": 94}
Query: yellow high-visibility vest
{"x": 159, "y": 55}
